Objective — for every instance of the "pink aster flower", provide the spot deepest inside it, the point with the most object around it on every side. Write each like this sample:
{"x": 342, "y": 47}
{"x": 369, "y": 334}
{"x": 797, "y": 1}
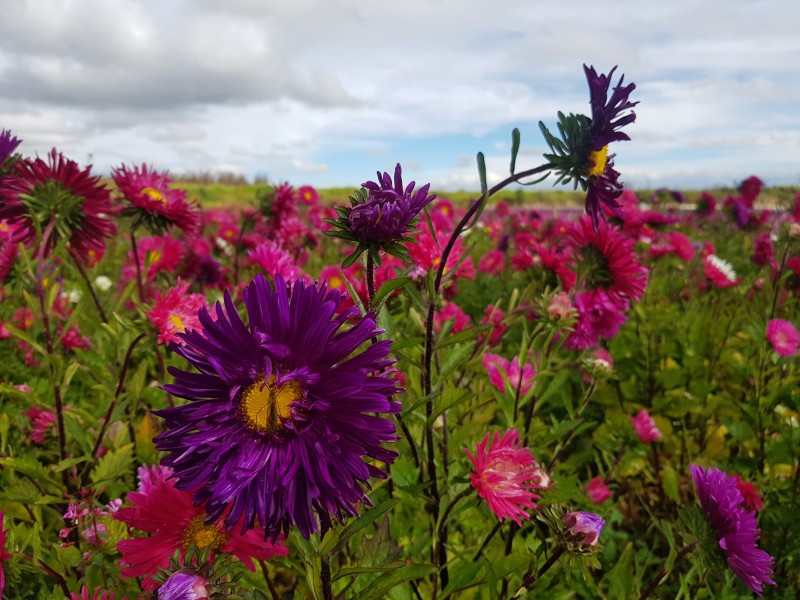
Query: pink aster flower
{"x": 451, "y": 311}
{"x": 783, "y": 337}
{"x": 598, "y": 491}
{"x": 735, "y": 526}
{"x": 645, "y": 427}
{"x": 3, "y": 554}
{"x": 494, "y": 316}
{"x": 157, "y": 254}
{"x": 41, "y": 420}
{"x": 98, "y": 594}
{"x": 505, "y": 475}
{"x": 174, "y": 522}
{"x": 719, "y": 271}
{"x": 307, "y": 195}
{"x": 175, "y": 312}
{"x": 497, "y": 365}
{"x": 492, "y": 262}
{"x": 599, "y": 316}
{"x": 152, "y": 200}
{"x": 427, "y": 254}
{"x": 274, "y": 260}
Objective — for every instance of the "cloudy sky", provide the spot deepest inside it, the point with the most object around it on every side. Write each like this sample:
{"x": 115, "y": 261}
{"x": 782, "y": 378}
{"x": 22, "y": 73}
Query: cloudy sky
{"x": 327, "y": 92}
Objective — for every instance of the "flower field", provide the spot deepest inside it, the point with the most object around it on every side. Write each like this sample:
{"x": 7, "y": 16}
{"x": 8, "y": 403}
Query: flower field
{"x": 395, "y": 395}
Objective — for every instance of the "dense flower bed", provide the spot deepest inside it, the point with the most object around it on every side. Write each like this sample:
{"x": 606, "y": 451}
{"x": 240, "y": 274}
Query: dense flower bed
{"x": 428, "y": 401}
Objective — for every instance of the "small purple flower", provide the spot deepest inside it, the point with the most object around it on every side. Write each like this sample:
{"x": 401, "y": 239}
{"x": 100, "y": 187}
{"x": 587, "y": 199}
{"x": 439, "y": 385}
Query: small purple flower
{"x": 183, "y": 585}
{"x": 735, "y": 526}
{"x": 389, "y": 210}
{"x": 282, "y": 409}
{"x": 584, "y": 527}
{"x": 8, "y": 145}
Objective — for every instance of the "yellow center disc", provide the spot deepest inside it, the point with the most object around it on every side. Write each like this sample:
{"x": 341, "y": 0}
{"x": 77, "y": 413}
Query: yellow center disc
{"x": 263, "y": 406}
{"x": 598, "y": 160}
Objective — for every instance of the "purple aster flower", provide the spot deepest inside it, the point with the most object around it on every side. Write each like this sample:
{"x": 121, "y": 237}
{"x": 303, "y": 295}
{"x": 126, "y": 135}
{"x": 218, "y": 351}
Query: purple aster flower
{"x": 8, "y": 145}
{"x": 183, "y": 585}
{"x": 735, "y": 526}
{"x": 609, "y": 115}
{"x": 584, "y": 527}
{"x": 389, "y": 210}
{"x": 281, "y": 409}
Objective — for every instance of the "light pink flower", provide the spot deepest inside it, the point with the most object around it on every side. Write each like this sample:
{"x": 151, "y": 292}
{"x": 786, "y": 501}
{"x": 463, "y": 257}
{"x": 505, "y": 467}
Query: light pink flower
{"x": 505, "y": 475}
{"x": 783, "y": 337}
{"x": 497, "y": 365}
{"x": 645, "y": 427}
{"x": 598, "y": 491}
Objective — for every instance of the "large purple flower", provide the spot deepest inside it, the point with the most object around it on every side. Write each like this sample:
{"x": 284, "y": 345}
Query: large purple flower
{"x": 281, "y": 409}
{"x": 609, "y": 115}
{"x": 736, "y": 527}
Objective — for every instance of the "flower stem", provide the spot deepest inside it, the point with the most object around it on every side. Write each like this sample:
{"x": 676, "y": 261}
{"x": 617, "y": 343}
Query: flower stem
{"x": 272, "y": 589}
{"x": 325, "y": 568}
{"x": 551, "y": 560}
{"x": 55, "y": 575}
{"x": 89, "y": 285}
{"x": 370, "y": 281}
{"x": 663, "y": 572}
{"x": 139, "y": 283}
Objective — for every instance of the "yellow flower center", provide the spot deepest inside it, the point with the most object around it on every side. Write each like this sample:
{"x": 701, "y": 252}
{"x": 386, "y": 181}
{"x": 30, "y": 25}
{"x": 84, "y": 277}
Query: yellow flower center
{"x": 154, "y": 194}
{"x": 335, "y": 282}
{"x": 177, "y": 322}
{"x": 153, "y": 257}
{"x": 598, "y": 160}
{"x": 202, "y": 535}
{"x": 264, "y": 406}
{"x": 4, "y": 227}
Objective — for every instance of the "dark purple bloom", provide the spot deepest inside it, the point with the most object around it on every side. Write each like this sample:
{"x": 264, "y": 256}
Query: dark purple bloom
{"x": 280, "y": 412}
{"x": 736, "y": 527}
{"x": 387, "y": 213}
{"x": 609, "y": 115}
{"x": 741, "y": 212}
{"x": 8, "y": 145}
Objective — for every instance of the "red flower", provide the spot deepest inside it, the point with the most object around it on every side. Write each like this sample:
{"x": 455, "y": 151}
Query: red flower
{"x": 752, "y": 499}
{"x": 58, "y": 189}
{"x": 174, "y": 522}
{"x": 607, "y": 260}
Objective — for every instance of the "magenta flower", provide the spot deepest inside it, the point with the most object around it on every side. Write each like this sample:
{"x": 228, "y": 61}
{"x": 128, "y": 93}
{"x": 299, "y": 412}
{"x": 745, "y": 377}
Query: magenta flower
{"x": 175, "y": 312}
{"x": 645, "y": 427}
{"x": 735, "y": 526}
{"x": 3, "y": 554}
{"x": 719, "y": 271}
{"x": 497, "y": 365}
{"x": 505, "y": 475}
{"x": 274, "y": 260}
{"x": 783, "y": 337}
{"x": 584, "y": 527}
{"x": 598, "y": 491}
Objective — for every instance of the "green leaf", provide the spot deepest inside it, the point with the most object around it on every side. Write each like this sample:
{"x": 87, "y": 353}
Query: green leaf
{"x": 387, "y": 288}
{"x": 482, "y": 174}
{"x": 515, "y": 141}
{"x": 366, "y": 519}
{"x": 454, "y": 359}
{"x": 620, "y": 578}
{"x": 358, "y": 570}
{"x": 387, "y": 581}
{"x": 113, "y": 466}
{"x": 464, "y": 335}
{"x": 352, "y": 257}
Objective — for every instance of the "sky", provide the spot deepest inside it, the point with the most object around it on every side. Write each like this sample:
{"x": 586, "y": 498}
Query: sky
{"x": 327, "y": 92}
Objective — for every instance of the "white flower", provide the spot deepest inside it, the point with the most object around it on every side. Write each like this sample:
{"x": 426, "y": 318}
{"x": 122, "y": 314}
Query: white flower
{"x": 102, "y": 283}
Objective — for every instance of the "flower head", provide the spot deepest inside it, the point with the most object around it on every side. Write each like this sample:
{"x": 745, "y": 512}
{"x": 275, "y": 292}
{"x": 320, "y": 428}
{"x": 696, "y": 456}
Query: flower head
{"x": 58, "y": 193}
{"x": 505, "y": 475}
{"x": 752, "y": 499}
{"x": 606, "y": 259}
{"x": 645, "y": 427}
{"x": 281, "y": 411}
{"x": 719, "y": 271}
{"x": 98, "y": 594}
{"x": 598, "y": 491}
{"x": 381, "y": 216}
{"x": 168, "y": 514}
{"x": 175, "y": 312}
{"x": 152, "y": 202}
{"x": 185, "y": 584}
{"x": 736, "y": 527}
{"x": 523, "y": 378}
{"x": 584, "y": 527}
{"x": 274, "y": 260}
{"x": 783, "y": 337}
{"x": 8, "y": 145}
{"x": 582, "y": 155}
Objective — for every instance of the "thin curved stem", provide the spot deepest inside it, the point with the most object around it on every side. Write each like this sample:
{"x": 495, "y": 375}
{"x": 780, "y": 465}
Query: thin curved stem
{"x": 663, "y": 572}
{"x": 89, "y": 285}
